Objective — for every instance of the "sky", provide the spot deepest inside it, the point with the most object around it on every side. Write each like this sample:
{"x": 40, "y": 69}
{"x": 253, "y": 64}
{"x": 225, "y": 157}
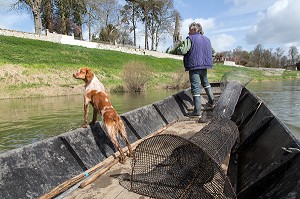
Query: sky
{"x": 227, "y": 23}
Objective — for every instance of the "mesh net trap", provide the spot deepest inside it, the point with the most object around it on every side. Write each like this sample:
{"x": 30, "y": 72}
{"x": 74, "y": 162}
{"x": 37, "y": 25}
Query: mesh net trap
{"x": 169, "y": 166}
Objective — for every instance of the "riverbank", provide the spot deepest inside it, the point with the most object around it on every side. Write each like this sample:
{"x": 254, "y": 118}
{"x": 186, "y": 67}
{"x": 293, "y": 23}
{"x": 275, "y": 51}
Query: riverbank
{"x": 21, "y": 82}
{"x": 32, "y": 68}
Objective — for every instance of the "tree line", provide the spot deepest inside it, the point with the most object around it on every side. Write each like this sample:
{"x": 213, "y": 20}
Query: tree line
{"x": 106, "y": 20}
{"x": 260, "y": 57}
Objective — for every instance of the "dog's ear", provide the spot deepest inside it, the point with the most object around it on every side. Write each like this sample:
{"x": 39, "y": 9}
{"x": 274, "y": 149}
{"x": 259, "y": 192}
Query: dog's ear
{"x": 89, "y": 74}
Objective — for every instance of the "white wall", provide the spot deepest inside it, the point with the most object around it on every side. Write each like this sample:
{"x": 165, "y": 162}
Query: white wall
{"x": 65, "y": 39}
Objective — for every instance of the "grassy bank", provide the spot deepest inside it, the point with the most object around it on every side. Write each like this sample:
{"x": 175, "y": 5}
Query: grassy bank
{"x": 39, "y": 68}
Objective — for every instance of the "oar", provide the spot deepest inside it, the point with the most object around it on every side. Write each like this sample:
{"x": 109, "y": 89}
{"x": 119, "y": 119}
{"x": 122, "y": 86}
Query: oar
{"x": 67, "y": 184}
{"x": 110, "y": 161}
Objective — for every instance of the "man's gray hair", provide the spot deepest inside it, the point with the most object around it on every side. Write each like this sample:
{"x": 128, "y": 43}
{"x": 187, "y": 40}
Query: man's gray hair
{"x": 197, "y": 27}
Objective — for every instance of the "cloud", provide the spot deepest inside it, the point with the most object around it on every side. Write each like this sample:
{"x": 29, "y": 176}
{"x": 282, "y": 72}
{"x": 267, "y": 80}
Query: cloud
{"x": 241, "y": 7}
{"x": 222, "y": 42}
{"x": 279, "y": 25}
{"x": 206, "y": 24}
{"x": 233, "y": 29}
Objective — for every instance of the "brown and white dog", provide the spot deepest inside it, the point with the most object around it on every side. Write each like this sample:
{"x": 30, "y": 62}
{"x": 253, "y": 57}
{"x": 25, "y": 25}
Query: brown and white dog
{"x": 95, "y": 94}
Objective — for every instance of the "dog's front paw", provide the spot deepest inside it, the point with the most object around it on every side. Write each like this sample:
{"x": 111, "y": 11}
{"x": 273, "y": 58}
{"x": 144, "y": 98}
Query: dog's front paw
{"x": 84, "y": 125}
{"x": 122, "y": 159}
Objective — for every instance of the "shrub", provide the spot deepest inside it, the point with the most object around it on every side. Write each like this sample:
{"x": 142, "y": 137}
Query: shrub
{"x": 118, "y": 89}
{"x": 135, "y": 76}
{"x": 180, "y": 80}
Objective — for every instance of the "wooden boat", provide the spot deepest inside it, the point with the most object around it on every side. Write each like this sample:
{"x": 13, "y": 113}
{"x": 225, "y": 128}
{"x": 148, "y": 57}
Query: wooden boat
{"x": 262, "y": 162}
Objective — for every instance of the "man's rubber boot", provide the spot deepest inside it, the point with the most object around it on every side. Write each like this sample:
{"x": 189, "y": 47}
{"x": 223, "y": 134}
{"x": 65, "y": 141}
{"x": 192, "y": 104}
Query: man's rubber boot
{"x": 210, "y": 96}
{"x": 197, "y": 113}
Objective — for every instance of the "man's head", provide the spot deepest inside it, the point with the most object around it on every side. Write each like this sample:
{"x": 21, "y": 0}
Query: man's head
{"x": 195, "y": 28}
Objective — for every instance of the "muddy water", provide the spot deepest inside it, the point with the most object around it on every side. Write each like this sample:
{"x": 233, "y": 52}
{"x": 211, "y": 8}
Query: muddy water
{"x": 24, "y": 121}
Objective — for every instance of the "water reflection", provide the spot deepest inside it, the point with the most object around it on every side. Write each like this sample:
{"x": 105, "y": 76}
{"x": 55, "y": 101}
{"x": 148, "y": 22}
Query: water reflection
{"x": 27, "y": 120}
{"x": 24, "y": 121}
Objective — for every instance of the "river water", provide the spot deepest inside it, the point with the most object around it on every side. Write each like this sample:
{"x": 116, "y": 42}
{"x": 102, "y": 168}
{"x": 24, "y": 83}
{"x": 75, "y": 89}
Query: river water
{"x": 283, "y": 98}
{"x": 24, "y": 121}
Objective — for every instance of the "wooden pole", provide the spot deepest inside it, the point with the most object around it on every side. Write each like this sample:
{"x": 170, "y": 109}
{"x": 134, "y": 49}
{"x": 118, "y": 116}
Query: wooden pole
{"x": 98, "y": 174}
{"x": 67, "y": 184}
{"x": 110, "y": 161}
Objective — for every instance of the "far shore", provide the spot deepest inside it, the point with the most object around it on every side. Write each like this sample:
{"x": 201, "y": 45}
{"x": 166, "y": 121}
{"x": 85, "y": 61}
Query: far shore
{"x": 20, "y": 82}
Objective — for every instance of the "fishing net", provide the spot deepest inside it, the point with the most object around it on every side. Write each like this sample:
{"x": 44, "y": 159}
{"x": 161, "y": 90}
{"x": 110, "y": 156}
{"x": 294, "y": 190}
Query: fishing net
{"x": 237, "y": 76}
{"x": 170, "y": 167}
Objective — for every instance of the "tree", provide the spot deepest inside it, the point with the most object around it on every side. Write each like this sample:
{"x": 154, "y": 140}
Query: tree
{"x": 284, "y": 61}
{"x": 278, "y": 55}
{"x": 35, "y": 7}
{"x": 62, "y": 15}
{"x": 109, "y": 18}
{"x": 92, "y": 17}
{"x": 237, "y": 52}
{"x": 109, "y": 34}
{"x": 145, "y": 17}
{"x": 219, "y": 57}
{"x": 293, "y": 53}
{"x": 266, "y": 58}
{"x": 158, "y": 18}
{"x": 164, "y": 21}
{"x": 227, "y": 55}
{"x": 78, "y": 10}
{"x": 124, "y": 37}
{"x": 93, "y": 11}
{"x": 130, "y": 16}
{"x": 47, "y": 16}
{"x": 257, "y": 55}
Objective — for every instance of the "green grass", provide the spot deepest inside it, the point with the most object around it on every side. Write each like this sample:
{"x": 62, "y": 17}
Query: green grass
{"x": 42, "y": 54}
{"x": 290, "y": 75}
{"x": 48, "y": 57}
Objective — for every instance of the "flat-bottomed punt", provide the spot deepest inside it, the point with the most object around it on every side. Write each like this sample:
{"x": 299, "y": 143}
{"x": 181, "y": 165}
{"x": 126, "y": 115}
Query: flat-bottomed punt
{"x": 262, "y": 162}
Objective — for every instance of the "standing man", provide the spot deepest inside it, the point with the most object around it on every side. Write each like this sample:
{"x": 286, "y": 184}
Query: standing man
{"x": 197, "y": 52}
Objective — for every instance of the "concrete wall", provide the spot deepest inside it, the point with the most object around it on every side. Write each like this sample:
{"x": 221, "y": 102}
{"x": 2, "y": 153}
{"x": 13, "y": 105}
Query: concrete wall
{"x": 35, "y": 169}
{"x": 65, "y": 39}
